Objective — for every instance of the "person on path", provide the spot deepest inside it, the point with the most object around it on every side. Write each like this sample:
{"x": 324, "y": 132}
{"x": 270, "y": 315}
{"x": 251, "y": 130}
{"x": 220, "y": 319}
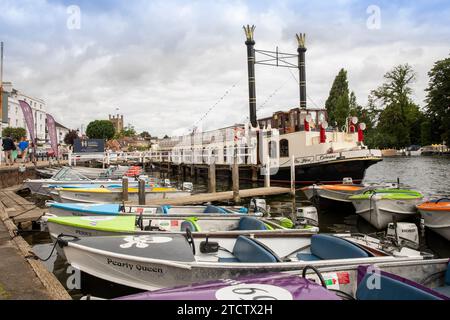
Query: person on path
{"x": 23, "y": 146}
{"x": 8, "y": 147}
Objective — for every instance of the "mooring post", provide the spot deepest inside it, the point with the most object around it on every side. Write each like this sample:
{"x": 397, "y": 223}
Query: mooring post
{"x": 141, "y": 192}
{"x": 294, "y": 204}
{"x": 267, "y": 173}
{"x": 124, "y": 189}
{"x": 212, "y": 178}
{"x": 235, "y": 179}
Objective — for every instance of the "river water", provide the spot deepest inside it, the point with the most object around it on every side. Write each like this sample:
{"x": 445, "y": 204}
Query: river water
{"x": 429, "y": 175}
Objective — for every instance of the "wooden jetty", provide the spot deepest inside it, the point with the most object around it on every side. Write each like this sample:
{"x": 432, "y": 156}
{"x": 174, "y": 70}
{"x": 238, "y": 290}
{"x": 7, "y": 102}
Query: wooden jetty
{"x": 221, "y": 196}
{"x": 21, "y": 211}
{"x": 21, "y": 276}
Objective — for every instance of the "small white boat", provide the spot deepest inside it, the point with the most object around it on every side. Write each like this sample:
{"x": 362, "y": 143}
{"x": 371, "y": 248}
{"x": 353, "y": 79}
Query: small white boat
{"x": 66, "y": 176}
{"x": 113, "y": 195}
{"x": 436, "y": 215}
{"x": 151, "y": 262}
{"x": 112, "y": 209}
{"x": 381, "y": 206}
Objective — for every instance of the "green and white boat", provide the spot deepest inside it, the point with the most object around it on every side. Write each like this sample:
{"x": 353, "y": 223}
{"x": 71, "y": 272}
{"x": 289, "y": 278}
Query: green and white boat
{"x": 229, "y": 224}
{"x": 382, "y": 206}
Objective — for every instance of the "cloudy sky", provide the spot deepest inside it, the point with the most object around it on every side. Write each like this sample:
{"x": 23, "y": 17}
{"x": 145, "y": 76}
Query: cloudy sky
{"x": 164, "y": 64}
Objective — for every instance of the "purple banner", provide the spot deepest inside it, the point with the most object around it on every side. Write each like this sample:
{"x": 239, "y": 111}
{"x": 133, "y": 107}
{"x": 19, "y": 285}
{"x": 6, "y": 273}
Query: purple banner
{"x": 28, "y": 115}
{"x": 51, "y": 127}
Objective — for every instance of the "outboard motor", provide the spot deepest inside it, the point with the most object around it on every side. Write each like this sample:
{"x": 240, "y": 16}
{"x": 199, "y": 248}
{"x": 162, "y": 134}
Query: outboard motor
{"x": 348, "y": 180}
{"x": 167, "y": 183}
{"x": 307, "y": 216}
{"x": 258, "y": 207}
{"x": 403, "y": 234}
{"x": 188, "y": 186}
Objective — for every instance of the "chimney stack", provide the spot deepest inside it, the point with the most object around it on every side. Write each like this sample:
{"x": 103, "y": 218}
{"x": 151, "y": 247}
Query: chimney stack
{"x": 250, "y": 43}
{"x": 302, "y": 68}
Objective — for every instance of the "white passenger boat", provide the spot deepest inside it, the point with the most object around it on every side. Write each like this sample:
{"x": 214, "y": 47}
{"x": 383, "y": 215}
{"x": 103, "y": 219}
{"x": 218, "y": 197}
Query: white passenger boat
{"x": 436, "y": 215}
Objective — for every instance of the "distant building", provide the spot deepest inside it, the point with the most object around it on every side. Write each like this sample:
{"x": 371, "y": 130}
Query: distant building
{"x": 14, "y": 115}
{"x": 117, "y": 122}
{"x": 61, "y": 132}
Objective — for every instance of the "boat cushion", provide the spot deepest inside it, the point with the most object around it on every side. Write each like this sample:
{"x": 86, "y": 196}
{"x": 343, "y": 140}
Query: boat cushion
{"x": 390, "y": 289}
{"x": 188, "y": 224}
{"x": 327, "y": 247}
{"x": 307, "y": 257}
{"x": 250, "y": 223}
{"x": 247, "y": 250}
{"x": 214, "y": 209}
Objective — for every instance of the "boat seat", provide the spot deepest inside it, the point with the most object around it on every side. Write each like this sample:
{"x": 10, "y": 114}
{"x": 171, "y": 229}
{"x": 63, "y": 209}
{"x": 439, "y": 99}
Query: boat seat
{"x": 250, "y": 223}
{"x": 189, "y": 224}
{"x": 391, "y": 289}
{"x": 213, "y": 209}
{"x": 247, "y": 250}
{"x": 327, "y": 247}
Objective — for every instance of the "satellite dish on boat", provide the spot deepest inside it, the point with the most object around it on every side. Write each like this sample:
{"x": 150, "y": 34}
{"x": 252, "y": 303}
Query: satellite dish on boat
{"x": 354, "y": 120}
{"x": 362, "y": 126}
{"x": 324, "y": 124}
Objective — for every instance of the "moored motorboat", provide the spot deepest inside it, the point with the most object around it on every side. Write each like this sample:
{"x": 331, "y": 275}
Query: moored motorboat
{"x": 381, "y": 206}
{"x": 92, "y": 209}
{"x": 151, "y": 262}
{"x": 436, "y": 216}
{"x": 202, "y": 225}
{"x": 113, "y": 195}
{"x": 333, "y": 195}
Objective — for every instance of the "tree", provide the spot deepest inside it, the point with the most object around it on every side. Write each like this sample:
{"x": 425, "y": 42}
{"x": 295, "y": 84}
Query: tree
{"x": 145, "y": 135}
{"x": 15, "y": 133}
{"x": 100, "y": 129}
{"x": 438, "y": 101}
{"x": 70, "y": 137}
{"x": 399, "y": 118}
{"x": 338, "y": 104}
{"x": 128, "y": 131}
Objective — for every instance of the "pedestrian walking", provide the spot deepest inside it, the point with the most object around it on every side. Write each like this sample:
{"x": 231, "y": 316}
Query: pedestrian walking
{"x": 8, "y": 147}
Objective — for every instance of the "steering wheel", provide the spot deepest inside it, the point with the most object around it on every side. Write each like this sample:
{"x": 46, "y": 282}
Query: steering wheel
{"x": 190, "y": 239}
{"x": 317, "y": 272}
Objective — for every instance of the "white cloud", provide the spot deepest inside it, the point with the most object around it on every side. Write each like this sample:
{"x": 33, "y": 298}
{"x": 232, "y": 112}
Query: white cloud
{"x": 164, "y": 64}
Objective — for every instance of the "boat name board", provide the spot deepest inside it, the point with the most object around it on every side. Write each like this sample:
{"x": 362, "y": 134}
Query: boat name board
{"x": 131, "y": 266}
{"x": 317, "y": 158}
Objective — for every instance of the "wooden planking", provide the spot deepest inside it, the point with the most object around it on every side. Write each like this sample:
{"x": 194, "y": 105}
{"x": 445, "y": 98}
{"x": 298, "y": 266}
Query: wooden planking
{"x": 220, "y": 196}
{"x": 41, "y": 282}
{"x": 18, "y": 208}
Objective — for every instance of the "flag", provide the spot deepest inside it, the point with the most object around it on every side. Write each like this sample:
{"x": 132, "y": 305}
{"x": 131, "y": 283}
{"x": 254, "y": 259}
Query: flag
{"x": 28, "y": 115}
{"x": 51, "y": 127}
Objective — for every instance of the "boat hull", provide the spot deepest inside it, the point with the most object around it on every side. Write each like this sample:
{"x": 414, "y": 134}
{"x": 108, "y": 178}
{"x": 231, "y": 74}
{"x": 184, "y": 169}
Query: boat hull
{"x": 332, "y": 172}
{"x": 438, "y": 221}
{"x": 113, "y": 197}
{"x": 153, "y": 275}
{"x": 380, "y": 212}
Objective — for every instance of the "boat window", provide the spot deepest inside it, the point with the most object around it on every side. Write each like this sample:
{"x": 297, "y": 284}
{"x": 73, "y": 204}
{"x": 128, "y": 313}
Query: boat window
{"x": 284, "y": 148}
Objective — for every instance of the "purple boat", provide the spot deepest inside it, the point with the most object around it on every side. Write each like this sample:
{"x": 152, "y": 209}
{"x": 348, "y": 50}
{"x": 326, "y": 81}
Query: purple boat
{"x": 277, "y": 286}
{"x": 372, "y": 283}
